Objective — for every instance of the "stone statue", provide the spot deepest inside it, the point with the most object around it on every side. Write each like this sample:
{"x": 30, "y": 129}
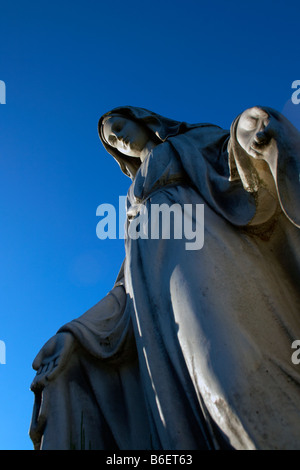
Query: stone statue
{"x": 191, "y": 349}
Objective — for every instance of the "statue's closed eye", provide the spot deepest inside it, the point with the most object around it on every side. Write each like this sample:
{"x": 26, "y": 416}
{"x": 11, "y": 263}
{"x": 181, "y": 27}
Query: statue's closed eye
{"x": 249, "y": 123}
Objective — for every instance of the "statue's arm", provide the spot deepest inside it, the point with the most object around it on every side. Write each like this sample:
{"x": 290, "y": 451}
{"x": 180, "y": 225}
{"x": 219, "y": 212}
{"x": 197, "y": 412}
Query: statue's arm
{"x": 100, "y": 331}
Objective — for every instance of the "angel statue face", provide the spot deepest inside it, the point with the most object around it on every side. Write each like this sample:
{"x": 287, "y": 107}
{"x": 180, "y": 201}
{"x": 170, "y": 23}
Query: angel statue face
{"x": 127, "y": 136}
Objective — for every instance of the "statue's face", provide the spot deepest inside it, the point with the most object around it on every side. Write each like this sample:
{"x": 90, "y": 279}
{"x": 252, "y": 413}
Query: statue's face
{"x": 127, "y": 136}
{"x": 251, "y": 131}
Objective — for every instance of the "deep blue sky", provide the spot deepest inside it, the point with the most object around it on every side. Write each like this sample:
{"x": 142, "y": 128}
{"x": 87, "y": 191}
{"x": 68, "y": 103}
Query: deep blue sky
{"x": 64, "y": 64}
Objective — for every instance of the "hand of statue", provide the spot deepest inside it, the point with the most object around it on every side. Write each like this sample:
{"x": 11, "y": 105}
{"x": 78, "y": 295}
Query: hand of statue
{"x": 256, "y": 133}
{"x": 52, "y": 358}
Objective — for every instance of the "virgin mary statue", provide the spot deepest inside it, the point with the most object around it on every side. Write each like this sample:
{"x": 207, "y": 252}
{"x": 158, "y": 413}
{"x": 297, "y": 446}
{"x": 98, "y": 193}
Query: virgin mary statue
{"x": 192, "y": 347}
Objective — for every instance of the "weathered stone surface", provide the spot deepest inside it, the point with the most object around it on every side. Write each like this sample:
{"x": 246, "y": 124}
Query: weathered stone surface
{"x": 192, "y": 348}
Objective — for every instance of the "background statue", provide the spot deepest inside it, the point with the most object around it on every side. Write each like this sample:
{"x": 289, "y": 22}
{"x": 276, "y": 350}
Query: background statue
{"x": 191, "y": 349}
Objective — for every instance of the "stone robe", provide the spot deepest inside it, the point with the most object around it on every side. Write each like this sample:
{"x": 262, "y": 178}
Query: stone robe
{"x": 191, "y": 349}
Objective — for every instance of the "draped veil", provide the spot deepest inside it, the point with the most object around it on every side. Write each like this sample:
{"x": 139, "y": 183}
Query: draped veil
{"x": 191, "y": 349}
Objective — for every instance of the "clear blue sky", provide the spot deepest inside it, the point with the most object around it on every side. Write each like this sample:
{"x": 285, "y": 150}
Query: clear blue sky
{"x": 64, "y": 64}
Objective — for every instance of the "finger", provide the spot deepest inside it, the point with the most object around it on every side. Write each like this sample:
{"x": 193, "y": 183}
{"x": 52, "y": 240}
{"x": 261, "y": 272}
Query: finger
{"x": 46, "y": 351}
{"x": 60, "y": 362}
{"x": 42, "y": 374}
{"x": 57, "y": 366}
{"x": 39, "y": 416}
{"x": 36, "y": 364}
{"x": 38, "y": 383}
{"x": 40, "y": 362}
